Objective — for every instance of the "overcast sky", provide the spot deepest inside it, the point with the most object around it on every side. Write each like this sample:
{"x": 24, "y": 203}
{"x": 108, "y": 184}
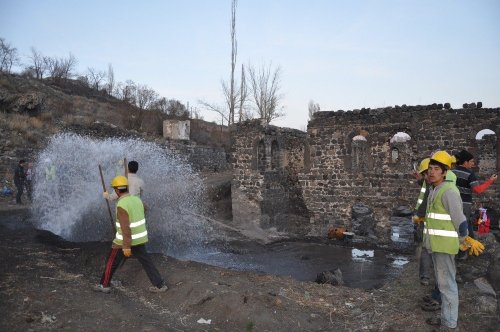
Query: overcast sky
{"x": 341, "y": 54}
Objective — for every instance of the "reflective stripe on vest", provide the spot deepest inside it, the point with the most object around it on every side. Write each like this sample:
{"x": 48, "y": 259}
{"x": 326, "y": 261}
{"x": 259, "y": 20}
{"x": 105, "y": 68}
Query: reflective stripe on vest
{"x": 135, "y": 210}
{"x": 439, "y": 216}
{"x": 440, "y": 230}
{"x": 133, "y": 224}
{"x": 134, "y": 236}
{"x": 421, "y": 195}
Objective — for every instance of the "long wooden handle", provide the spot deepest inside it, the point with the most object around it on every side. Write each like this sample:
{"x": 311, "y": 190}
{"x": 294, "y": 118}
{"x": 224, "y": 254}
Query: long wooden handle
{"x": 107, "y": 202}
{"x": 125, "y": 164}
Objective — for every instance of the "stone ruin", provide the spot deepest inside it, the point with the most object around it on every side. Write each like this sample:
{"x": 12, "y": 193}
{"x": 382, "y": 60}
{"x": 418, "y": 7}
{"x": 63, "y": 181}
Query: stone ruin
{"x": 305, "y": 183}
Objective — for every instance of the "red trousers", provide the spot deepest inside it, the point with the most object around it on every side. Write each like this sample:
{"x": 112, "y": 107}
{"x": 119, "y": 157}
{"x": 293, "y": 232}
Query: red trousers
{"x": 116, "y": 257}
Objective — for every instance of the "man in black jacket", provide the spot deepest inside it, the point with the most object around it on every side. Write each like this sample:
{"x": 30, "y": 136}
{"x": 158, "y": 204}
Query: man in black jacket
{"x": 19, "y": 178}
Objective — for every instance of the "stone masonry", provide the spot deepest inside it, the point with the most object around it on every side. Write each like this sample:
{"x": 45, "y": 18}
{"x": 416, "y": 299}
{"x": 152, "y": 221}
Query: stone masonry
{"x": 306, "y": 183}
{"x": 265, "y": 189}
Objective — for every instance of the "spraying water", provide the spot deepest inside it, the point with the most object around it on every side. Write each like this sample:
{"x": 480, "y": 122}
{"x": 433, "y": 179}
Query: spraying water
{"x": 67, "y": 192}
{"x": 67, "y": 200}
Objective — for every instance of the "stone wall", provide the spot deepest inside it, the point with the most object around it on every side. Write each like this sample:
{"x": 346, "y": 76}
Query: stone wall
{"x": 202, "y": 158}
{"x": 210, "y": 133}
{"x": 384, "y": 182}
{"x": 306, "y": 184}
{"x": 265, "y": 187}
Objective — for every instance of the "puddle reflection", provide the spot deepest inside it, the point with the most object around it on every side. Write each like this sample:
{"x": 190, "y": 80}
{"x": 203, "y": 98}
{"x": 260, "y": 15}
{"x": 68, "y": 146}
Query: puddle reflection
{"x": 303, "y": 261}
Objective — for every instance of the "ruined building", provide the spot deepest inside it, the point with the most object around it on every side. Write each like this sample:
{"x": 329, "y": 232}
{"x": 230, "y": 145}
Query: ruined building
{"x": 305, "y": 183}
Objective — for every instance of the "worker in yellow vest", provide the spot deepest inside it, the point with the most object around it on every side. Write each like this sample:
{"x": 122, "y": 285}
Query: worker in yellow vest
{"x": 425, "y": 266}
{"x": 445, "y": 231}
{"x": 130, "y": 238}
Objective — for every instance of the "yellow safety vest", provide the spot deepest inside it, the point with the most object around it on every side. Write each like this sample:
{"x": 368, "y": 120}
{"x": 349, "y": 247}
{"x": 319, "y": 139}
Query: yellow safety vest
{"x": 135, "y": 210}
{"x": 439, "y": 228}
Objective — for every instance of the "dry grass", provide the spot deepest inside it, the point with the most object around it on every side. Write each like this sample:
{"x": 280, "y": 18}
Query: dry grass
{"x": 36, "y": 123}
{"x": 5, "y": 83}
{"x": 32, "y": 137}
{"x": 70, "y": 119}
{"x": 46, "y": 117}
{"x": 23, "y": 122}
{"x": 61, "y": 108}
{"x": 29, "y": 129}
{"x": 19, "y": 122}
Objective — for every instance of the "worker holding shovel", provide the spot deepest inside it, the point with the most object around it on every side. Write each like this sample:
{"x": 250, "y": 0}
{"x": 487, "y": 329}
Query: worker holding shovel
{"x": 130, "y": 238}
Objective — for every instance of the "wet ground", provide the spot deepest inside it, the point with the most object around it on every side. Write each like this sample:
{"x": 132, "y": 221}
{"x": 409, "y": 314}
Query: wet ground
{"x": 303, "y": 261}
{"x": 361, "y": 268}
{"x": 45, "y": 285}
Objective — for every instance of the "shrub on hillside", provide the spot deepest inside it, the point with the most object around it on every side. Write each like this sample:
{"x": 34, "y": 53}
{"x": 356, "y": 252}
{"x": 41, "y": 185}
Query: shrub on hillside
{"x": 19, "y": 122}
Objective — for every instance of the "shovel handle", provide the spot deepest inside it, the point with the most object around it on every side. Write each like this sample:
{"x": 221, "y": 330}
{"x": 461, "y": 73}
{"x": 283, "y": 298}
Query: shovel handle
{"x": 107, "y": 202}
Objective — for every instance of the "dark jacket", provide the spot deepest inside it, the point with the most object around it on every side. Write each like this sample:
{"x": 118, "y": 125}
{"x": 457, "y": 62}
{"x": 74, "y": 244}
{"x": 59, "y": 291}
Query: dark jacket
{"x": 19, "y": 175}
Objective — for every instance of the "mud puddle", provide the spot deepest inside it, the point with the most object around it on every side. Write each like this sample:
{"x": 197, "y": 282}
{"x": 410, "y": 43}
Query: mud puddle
{"x": 303, "y": 261}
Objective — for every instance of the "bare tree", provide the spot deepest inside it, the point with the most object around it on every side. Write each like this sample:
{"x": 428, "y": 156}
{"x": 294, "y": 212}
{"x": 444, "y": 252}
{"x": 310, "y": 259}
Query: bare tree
{"x": 175, "y": 107}
{"x": 95, "y": 77}
{"x": 53, "y": 67}
{"x": 83, "y": 79}
{"x": 230, "y": 95}
{"x": 243, "y": 97}
{"x": 222, "y": 111}
{"x": 68, "y": 66}
{"x": 38, "y": 63}
{"x": 171, "y": 107}
{"x": 145, "y": 97}
{"x": 161, "y": 105}
{"x": 265, "y": 86}
{"x": 62, "y": 68}
{"x": 313, "y": 108}
{"x": 8, "y": 56}
{"x": 127, "y": 91}
{"x": 195, "y": 114}
{"x": 110, "y": 85}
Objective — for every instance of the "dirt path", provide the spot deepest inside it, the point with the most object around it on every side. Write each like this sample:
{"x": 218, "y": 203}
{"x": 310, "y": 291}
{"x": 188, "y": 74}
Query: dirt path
{"x": 45, "y": 285}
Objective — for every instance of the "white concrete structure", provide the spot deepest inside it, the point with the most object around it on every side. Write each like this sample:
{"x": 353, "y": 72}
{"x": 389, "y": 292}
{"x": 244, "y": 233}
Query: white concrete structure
{"x": 176, "y": 129}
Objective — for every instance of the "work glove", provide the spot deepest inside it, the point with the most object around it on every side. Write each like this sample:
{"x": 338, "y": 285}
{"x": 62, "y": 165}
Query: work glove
{"x": 127, "y": 252}
{"x": 463, "y": 246}
{"x": 475, "y": 247}
{"x": 418, "y": 220}
{"x": 105, "y": 195}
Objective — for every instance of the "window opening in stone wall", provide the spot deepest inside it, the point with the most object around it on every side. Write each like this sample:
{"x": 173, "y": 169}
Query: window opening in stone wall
{"x": 261, "y": 156}
{"x": 359, "y": 152}
{"x": 275, "y": 155}
{"x": 395, "y": 155}
{"x": 487, "y": 140}
{"x": 400, "y": 148}
{"x": 400, "y": 137}
{"x": 484, "y": 132}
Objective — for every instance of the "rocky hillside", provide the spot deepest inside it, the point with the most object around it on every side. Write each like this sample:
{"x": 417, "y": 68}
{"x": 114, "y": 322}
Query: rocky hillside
{"x": 33, "y": 110}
